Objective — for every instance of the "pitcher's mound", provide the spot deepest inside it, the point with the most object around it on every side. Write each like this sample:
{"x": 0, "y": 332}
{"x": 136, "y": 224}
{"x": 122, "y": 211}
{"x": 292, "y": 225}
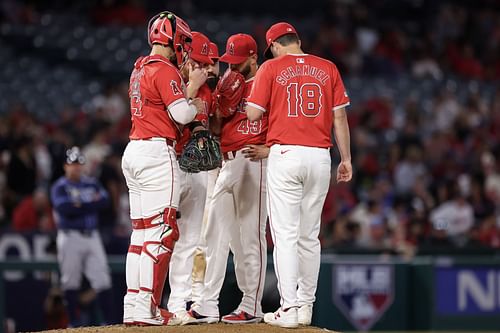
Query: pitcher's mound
{"x": 210, "y": 328}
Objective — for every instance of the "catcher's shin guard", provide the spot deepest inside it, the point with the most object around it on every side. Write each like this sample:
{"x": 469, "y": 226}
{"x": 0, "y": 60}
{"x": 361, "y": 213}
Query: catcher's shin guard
{"x": 160, "y": 250}
{"x": 132, "y": 271}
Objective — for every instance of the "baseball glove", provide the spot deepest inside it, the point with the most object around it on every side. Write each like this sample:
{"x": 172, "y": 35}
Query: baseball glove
{"x": 229, "y": 92}
{"x": 201, "y": 153}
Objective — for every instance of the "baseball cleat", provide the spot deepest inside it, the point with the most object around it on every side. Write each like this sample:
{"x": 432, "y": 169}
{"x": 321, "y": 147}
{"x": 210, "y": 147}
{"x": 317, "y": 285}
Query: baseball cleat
{"x": 162, "y": 319}
{"x": 178, "y": 318}
{"x": 304, "y": 313}
{"x": 194, "y": 317}
{"x": 281, "y": 318}
{"x": 240, "y": 317}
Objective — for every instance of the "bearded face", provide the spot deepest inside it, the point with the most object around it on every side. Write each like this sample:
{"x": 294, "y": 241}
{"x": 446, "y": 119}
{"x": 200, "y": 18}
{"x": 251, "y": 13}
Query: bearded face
{"x": 212, "y": 82}
{"x": 213, "y": 75}
{"x": 244, "y": 68}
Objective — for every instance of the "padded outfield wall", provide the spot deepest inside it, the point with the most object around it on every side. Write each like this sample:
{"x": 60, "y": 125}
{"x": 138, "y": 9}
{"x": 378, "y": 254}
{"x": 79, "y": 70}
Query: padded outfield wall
{"x": 354, "y": 292}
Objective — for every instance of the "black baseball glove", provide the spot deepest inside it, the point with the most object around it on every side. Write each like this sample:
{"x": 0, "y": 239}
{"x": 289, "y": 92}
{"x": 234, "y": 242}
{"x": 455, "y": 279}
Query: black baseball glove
{"x": 201, "y": 153}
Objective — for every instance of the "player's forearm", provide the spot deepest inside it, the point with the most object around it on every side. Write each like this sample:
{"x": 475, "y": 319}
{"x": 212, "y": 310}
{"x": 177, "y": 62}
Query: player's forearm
{"x": 215, "y": 125}
{"x": 342, "y": 136}
{"x": 191, "y": 91}
{"x": 253, "y": 113}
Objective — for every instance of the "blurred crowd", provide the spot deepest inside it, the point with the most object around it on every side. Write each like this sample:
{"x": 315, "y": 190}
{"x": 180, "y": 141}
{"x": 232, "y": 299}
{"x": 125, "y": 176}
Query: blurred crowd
{"x": 426, "y": 175}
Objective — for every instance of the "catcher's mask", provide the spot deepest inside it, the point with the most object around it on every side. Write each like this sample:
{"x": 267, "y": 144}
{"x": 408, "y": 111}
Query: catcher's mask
{"x": 168, "y": 29}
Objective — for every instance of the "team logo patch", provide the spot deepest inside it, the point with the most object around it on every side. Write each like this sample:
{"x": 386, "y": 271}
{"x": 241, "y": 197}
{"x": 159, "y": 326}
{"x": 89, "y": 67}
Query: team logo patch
{"x": 231, "y": 48}
{"x": 204, "y": 49}
{"x": 363, "y": 292}
{"x": 175, "y": 88}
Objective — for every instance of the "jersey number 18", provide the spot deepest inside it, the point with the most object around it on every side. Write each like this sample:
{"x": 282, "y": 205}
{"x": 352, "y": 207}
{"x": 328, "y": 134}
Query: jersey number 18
{"x": 307, "y": 98}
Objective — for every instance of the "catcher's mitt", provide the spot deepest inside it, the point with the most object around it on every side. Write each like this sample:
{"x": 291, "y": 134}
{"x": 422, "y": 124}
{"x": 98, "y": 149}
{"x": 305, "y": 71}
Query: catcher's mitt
{"x": 229, "y": 92}
{"x": 201, "y": 153}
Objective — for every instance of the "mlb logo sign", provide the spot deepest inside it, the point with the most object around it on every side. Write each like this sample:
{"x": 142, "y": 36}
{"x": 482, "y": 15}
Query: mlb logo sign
{"x": 363, "y": 292}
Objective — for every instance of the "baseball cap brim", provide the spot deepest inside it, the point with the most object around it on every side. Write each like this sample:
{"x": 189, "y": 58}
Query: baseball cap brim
{"x": 267, "y": 53}
{"x": 232, "y": 59}
{"x": 203, "y": 59}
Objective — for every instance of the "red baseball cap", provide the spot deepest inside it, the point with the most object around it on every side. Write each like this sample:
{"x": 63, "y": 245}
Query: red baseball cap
{"x": 276, "y": 31}
{"x": 199, "y": 48}
{"x": 238, "y": 48}
{"x": 213, "y": 51}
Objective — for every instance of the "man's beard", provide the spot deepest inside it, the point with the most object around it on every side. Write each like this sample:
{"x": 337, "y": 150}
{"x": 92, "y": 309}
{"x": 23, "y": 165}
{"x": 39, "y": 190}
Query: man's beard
{"x": 245, "y": 71}
{"x": 212, "y": 82}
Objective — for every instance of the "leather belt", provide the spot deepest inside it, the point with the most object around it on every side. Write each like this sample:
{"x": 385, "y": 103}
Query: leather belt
{"x": 168, "y": 141}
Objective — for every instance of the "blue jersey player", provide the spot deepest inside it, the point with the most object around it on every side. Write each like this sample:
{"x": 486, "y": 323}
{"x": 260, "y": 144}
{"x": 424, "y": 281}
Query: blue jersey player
{"x": 77, "y": 201}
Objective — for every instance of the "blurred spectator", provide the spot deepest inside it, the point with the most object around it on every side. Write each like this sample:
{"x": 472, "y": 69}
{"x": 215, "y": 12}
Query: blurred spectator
{"x": 455, "y": 217}
{"x": 409, "y": 170}
{"x": 55, "y": 312}
{"x": 110, "y": 103}
{"x": 21, "y": 173}
{"x": 426, "y": 109}
{"x": 33, "y": 213}
{"x": 492, "y": 181}
{"x": 97, "y": 150}
{"x": 426, "y": 66}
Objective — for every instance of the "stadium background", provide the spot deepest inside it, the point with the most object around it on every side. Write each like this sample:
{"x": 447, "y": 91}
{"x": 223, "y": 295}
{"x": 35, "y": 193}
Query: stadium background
{"x": 424, "y": 203}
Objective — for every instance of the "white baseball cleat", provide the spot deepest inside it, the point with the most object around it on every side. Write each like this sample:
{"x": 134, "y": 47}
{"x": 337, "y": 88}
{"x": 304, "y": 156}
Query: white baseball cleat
{"x": 162, "y": 318}
{"x": 305, "y": 314}
{"x": 287, "y": 319}
{"x": 178, "y": 318}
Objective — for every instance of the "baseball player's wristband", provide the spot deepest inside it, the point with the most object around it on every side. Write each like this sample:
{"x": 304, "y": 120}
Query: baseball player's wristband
{"x": 194, "y": 124}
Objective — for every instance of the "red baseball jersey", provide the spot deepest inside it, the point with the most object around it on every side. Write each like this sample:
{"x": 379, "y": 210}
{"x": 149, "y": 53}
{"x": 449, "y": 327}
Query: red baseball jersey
{"x": 205, "y": 94}
{"x": 237, "y": 131}
{"x": 299, "y": 92}
{"x": 155, "y": 85}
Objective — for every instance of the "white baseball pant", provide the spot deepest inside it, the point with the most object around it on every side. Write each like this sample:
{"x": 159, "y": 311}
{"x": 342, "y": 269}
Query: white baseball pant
{"x": 298, "y": 179}
{"x": 199, "y": 266}
{"x": 191, "y": 206}
{"x": 152, "y": 175}
{"x": 236, "y": 221}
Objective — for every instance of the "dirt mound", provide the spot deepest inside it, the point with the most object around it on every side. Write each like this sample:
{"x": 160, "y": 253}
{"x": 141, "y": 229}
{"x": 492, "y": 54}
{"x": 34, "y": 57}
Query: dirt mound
{"x": 211, "y": 328}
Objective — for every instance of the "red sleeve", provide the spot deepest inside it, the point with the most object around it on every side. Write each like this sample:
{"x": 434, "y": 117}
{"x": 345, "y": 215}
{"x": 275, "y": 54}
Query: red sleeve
{"x": 168, "y": 82}
{"x": 260, "y": 95}
{"x": 340, "y": 97}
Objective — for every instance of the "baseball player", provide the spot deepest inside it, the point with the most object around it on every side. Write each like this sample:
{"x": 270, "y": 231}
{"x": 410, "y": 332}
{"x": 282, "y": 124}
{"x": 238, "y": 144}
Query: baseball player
{"x": 77, "y": 201}
{"x": 237, "y": 214}
{"x": 193, "y": 185}
{"x": 199, "y": 264}
{"x": 157, "y": 106}
{"x": 213, "y": 69}
{"x": 301, "y": 94}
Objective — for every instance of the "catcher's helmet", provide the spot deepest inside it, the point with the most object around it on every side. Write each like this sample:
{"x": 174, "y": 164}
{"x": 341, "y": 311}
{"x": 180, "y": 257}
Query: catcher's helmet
{"x": 167, "y": 28}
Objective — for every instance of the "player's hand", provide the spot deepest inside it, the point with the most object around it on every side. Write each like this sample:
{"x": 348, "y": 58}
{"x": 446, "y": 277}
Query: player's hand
{"x": 344, "y": 171}
{"x": 198, "y": 103}
{"x": 256, "y": 152}
{"x": 197, "y": 76}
